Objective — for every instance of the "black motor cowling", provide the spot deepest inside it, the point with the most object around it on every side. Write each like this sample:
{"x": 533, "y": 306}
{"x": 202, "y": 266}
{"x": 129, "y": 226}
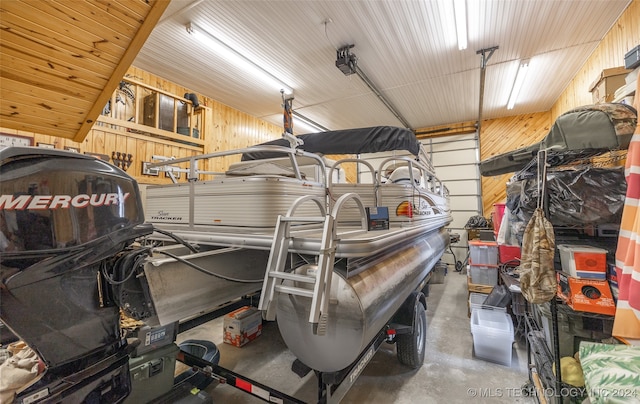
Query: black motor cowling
{"x": 63, "y": 217}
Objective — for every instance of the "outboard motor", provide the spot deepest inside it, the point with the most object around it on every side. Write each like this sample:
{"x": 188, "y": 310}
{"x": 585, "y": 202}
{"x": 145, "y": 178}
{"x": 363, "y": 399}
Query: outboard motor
{"x": 65, "y": 221}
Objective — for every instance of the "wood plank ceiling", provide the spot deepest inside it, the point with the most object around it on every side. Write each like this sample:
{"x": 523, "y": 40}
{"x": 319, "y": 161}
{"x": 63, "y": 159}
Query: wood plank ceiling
{"x": 60, "y": 61}
{"x": 407, "y": 48}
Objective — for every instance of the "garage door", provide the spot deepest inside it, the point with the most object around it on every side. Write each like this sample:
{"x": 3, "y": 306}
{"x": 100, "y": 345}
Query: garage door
{"x": 455, "y": 159}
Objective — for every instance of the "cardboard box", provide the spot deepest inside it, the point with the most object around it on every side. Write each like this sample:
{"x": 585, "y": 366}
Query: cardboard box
{"x": 473, "y": 233}
{"x": 583, "y": 261}
{"x": 242, "y": 326}
{"x": 604, "y": 87}
{"x": 589, "y": 295}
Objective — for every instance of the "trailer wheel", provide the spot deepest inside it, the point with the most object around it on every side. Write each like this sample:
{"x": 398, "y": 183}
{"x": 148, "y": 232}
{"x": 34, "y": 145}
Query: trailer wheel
{"x": 411, "y": 347}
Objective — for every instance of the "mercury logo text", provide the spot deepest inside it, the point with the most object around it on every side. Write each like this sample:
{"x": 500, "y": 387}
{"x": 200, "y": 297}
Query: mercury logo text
{"x": 21, "y": 202}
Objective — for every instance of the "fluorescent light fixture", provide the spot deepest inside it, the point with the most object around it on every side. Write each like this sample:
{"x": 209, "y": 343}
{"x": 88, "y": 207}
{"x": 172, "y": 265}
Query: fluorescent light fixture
{"x": 305, "y": 127}
{"x": 307, "y": 123}
{"x": 237, "y": 59}
{"x": 460, "y": 13}
{"x": 517, "y": 84}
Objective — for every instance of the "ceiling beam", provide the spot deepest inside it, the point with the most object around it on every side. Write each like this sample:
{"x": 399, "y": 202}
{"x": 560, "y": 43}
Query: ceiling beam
{"x": 149, "y": 23}
{"x": 461, "y": 128}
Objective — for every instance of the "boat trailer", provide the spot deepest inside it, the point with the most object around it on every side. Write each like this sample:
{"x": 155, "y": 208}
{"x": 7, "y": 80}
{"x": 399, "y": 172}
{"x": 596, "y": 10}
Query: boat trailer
{"x": 333, "y": 386}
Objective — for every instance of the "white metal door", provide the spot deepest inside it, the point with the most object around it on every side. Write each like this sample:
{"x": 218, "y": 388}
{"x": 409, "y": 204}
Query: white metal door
{"x": 455, "y": 159}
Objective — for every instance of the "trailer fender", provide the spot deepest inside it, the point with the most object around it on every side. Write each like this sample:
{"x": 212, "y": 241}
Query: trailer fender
{"x": 405, "y": 315}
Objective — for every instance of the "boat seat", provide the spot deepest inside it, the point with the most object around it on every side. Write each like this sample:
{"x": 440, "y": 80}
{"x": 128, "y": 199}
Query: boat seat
{"x": 401, "y": 175}
{"x": 252, "y": 168}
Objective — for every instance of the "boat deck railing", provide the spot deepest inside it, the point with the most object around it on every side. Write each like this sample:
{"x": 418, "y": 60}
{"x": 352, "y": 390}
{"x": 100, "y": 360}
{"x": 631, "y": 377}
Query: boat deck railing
{"x": 193, "y": 171}
{"x": 420, "y": 183}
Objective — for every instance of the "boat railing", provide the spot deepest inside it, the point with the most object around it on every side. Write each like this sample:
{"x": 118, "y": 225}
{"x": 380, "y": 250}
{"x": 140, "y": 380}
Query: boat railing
{"x": 433, "y": 184}
{"x": 423, "y": 157}
{"x": 193, "y": 171}
{"x": 336, "y": 166}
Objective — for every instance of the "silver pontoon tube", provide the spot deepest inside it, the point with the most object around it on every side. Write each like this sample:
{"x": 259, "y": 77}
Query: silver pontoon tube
{"x": 365, "y": 303}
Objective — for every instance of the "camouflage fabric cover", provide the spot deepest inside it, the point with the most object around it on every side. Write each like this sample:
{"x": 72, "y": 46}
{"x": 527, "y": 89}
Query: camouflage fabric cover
{"x": 604, "y": 127}
{"x": 537, "y": 274}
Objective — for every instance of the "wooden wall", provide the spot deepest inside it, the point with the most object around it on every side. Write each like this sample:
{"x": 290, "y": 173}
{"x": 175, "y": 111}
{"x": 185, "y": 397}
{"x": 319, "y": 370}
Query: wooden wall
{"x": 503, "y": 135}
{"x": 621, "y": 38}
{"x": 225, "y": 129}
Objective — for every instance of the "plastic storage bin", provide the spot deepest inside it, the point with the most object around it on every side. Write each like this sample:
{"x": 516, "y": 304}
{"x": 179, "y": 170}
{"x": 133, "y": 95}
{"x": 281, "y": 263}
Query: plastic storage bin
{"x": 476, "y": 301}
{"x": 492, "y": 335}
{"x": 483, "y": 252}
{"x": 582, "y": 261}
{"x": 509, "y": 254}
{"x": 497, "y": 215}
{"x": 482, "y": 275}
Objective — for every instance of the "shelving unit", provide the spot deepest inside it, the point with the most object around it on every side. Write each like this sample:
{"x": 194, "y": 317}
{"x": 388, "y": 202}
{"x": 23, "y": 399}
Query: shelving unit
{"x": 544, "y": 364}
{"x": 139, "y": 108}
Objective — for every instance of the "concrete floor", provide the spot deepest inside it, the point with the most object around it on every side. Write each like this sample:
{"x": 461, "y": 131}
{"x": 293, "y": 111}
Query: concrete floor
{"x": 450, "y": 372}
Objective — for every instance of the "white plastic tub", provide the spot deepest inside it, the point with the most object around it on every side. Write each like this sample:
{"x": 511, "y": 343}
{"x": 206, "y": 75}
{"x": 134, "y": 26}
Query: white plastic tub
{"x": 476, "y": 301}
{"x": 492, "y": 335}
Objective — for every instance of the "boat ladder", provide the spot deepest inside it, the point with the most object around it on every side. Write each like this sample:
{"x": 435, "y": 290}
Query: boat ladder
{"x": 321, "y": 280}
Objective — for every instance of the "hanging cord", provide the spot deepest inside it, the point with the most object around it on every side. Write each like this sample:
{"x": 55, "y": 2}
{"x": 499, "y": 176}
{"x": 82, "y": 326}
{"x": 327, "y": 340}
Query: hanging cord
{"x": 178, "y": 239}
{"x": 124, "y": 265}
{"x": 192, "y": 265}
{"x": 205, "y": 271}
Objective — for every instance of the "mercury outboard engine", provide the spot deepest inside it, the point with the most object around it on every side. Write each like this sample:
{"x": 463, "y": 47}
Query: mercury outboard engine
{"x": 65, "y": 221}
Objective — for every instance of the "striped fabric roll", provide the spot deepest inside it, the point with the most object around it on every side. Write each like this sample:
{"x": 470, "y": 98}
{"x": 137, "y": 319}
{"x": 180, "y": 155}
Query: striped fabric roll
{"x": 627, "y": 320}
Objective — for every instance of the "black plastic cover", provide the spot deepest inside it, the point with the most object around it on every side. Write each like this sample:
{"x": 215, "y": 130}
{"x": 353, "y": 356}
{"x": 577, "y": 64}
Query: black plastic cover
{"x": 348, "y": 141}
{"x": 499, "y": 297}
{"x": 576, "y": 197}
{"x": 50, "y": 201}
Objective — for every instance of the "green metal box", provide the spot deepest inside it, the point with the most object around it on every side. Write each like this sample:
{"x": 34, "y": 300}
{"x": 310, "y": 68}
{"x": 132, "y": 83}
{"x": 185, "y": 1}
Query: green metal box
{"x": 152, "y": 374}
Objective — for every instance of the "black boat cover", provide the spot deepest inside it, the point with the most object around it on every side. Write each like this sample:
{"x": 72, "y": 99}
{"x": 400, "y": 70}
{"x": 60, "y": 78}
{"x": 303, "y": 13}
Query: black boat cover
{"x": 348, "y": 141}
{"x": 597, "y": 127}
